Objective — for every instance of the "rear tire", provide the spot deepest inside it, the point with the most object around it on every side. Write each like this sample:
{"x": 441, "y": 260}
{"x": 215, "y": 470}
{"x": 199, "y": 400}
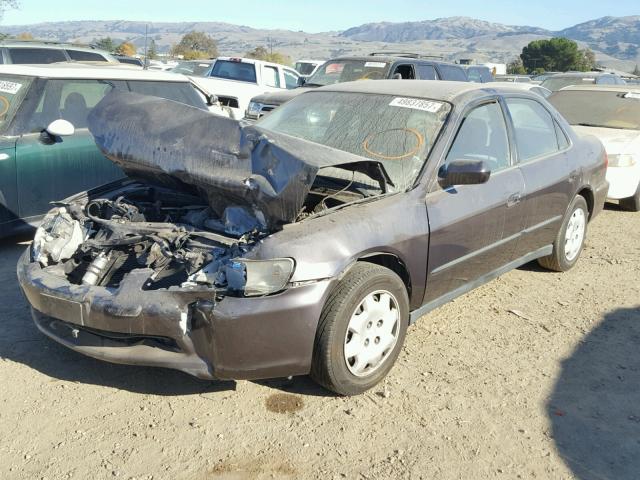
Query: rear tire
{"x": 570, "y": 239}
{"x": 361, "y": 330}
{"x": 632, "y": 203}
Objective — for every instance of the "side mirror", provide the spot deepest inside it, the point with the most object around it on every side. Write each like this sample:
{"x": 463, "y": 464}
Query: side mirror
{"x": 211, "y": 99}
{"x": 60, "y": 128}
{"x": 301, "y": 81}
{"x": 464, "y": 172}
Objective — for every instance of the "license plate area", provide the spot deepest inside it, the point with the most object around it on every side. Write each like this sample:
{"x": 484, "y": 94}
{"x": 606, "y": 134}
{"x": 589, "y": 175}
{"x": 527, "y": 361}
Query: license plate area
{"x": 62, "y": 309}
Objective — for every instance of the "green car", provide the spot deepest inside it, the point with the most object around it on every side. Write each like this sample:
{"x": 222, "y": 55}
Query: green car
{"x": 46, "y": 150}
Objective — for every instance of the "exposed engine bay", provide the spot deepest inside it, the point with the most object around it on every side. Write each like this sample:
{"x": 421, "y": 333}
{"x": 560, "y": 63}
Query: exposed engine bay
{"x": 96, "y": 242}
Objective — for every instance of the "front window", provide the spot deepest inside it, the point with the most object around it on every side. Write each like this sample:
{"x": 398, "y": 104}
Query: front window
{"x": 619, "y": 109}
{"x": 396, "y": 131}
{"x": 36, "y": 55}
{"x": 339, "y": 71}
{"x": 12, "y": 91}
{"x": 234, "y": 70}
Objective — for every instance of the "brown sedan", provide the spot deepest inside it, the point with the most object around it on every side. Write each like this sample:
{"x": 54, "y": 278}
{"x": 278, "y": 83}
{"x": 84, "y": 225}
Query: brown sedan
{"x": 309, "y": 242}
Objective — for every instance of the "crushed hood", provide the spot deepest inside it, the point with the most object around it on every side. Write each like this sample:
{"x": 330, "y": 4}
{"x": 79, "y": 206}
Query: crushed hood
{"x": 230, "y": 163}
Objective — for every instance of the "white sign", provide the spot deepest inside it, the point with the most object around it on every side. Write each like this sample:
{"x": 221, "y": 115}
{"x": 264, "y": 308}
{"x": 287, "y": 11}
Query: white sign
{"x": 416, "y": 104}
{"x": 9, "y": 87}
{"x": 375, "y": 65}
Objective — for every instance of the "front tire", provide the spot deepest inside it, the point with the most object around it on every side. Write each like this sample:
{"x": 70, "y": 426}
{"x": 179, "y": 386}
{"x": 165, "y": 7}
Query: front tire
{"x": 570, "y": 239}
{"x": 361, "y": 330}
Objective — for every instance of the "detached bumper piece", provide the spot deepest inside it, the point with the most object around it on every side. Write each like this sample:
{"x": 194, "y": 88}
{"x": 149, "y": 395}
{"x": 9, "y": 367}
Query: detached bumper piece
{"x": 183, "y": 329}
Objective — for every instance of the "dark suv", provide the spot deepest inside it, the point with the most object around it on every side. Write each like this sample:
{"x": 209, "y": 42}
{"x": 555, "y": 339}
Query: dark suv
{"x": 375, "y": 66}
{"x": 27, "y": 52}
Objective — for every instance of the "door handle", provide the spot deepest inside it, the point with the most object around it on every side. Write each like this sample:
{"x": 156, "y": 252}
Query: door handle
{"x": 514, "y": 200}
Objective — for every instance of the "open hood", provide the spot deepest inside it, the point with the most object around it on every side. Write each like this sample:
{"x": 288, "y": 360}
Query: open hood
{"x": 227, "y": 162}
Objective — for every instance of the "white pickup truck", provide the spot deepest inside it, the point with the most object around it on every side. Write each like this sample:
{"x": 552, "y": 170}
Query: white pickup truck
{"x": 235, "y": 81}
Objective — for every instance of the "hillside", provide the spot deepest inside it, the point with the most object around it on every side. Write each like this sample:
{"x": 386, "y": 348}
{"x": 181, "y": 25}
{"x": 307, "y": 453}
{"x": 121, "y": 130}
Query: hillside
{"x": 615, "y": 40}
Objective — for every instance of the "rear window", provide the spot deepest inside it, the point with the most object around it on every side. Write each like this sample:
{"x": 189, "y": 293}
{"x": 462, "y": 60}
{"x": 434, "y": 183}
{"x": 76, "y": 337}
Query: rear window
{"x": 339, "y": 71}
{"x": 243, "y": 72}
{"x": 177, "y": 91}
{"x": 36, "y": 55}
{"x": 12, "y": 91}
{"x": 451, "y": 72}
{"x": 80, "y": 56}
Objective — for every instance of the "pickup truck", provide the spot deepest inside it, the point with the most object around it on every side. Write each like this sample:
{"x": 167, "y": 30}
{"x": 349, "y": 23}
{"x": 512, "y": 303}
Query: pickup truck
{"x": 376, "y": 66}
{"x": 236, "y": 80}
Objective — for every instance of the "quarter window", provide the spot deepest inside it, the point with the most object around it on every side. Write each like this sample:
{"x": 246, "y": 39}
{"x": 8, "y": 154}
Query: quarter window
{"x": 534, "y": 128}
{"x": 482, "y": 136}
{"x": 82, "y": 56}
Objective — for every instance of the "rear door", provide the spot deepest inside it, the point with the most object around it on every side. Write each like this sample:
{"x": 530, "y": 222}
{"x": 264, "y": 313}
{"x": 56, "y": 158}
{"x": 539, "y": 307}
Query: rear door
{"x": 475, "y": 228}
{"x": 47, "y": 170}
{"x": 543, "y": 157}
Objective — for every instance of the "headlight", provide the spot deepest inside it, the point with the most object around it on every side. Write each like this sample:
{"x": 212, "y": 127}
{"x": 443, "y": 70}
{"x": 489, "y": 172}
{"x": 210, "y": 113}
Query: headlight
{"x": 259, "y": 277}
{"x": 254, "y": 108}
{"x": 622, "y": 160}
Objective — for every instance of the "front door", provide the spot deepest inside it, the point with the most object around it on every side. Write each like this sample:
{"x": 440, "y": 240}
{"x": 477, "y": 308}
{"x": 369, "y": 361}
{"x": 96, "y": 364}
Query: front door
{"x": 49, "y": 170}
{"x": 474, "y": 228}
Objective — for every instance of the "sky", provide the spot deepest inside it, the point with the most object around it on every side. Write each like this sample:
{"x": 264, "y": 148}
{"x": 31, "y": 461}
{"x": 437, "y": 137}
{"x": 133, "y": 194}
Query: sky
{"x": 320, "y": 16}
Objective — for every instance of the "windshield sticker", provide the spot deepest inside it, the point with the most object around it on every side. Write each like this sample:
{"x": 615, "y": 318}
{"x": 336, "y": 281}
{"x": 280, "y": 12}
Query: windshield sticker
{"x": 634, "y": 95}
{"x": 375, "y": 65}
{"x": 416, "y": 104}
{"x": 9, "y": 87}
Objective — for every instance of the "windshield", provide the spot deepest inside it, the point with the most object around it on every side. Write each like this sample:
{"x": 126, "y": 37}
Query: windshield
{"x": 398, "y": 132}
{"x": 556, "y": 83}
{"x": 12, "y": 91}
{"x": 232, "y": 70}
{"x": 348, "y": 70}
{"x": 191, "y": 68}
{"x": 305, "y": 68}
{"x": 619, "y": 109}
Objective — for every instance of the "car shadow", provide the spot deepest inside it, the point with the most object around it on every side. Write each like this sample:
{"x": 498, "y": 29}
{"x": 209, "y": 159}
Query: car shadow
{"x": 23, "y": 343}
{"x": 302, "y": 385}
{"x": 595, "y": 406}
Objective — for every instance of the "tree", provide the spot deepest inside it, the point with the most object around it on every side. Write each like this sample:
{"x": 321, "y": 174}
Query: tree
{"x": 153, "y": 50}
{"x": 105, "y": 44}
{"x": 261, "y": 53}
{"x": 195, "y": 45}
{"x": 126, "y": 48}
{"x": 515, "y": 67}
{"x": 556, "y": 54}
{"x": 587, "y": 60}
{"x": 636, "y": 71}
{"x": 6, "y": 5}
{"x": 24, "y": 36}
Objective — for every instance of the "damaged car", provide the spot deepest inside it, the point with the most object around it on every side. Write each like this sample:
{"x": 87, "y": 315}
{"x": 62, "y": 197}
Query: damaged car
{"x": 309, "y": 242}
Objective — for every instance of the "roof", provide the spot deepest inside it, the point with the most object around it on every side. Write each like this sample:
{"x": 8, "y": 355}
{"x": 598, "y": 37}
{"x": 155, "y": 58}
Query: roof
{"x": 514, "y": 85}
{"x": 603, "y": 88}
{"x": 433, "y": 89}
{"x": 82, "y": 71}
{"x": 51, "y": 45}
{"x": 580, "y": 74}
{"x": 392, "y": 58}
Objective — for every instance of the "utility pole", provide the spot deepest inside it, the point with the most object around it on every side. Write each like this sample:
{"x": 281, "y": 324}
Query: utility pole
{"x": 146, "y": 57}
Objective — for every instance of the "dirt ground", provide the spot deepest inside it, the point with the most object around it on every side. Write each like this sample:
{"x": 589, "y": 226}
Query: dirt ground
{"x": 535, "y": 375}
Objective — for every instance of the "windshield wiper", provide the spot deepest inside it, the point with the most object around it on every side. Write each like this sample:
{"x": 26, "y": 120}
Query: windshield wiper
{"x": 313, "y": 85}
{"x": 593, "y": 125}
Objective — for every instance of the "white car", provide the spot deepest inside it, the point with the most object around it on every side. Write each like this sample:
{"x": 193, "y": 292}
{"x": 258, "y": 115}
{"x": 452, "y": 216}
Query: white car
{"x": 611, "y": 113}
{"x": 529, "y": 87}
{"x": 306, "y": 68}
{"x": 235, "y": 81}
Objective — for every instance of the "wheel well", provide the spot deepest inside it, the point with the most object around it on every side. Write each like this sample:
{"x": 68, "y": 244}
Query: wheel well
{"x": 394, "y": 264}
{"x": 587, "y": 194}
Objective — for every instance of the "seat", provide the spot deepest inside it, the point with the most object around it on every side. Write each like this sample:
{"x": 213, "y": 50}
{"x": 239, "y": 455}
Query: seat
{"x": 75, "y": 110}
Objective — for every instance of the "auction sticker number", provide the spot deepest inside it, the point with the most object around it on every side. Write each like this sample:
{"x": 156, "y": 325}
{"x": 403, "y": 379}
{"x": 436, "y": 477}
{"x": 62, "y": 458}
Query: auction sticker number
{"x": 9, "y": 87}
{"x": 416, "y": 104}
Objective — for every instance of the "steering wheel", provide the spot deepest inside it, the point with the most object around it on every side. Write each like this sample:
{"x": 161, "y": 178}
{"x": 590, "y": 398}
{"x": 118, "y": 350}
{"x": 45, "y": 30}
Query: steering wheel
{"x": 372, "y": 75}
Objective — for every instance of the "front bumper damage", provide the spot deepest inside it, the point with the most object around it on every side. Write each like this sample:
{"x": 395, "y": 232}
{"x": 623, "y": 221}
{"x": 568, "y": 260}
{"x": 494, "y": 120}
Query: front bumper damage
{"x": 183, "y": 329}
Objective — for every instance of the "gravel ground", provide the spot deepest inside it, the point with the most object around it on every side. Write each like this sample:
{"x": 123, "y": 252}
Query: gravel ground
{"x": 535, "y": 375}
